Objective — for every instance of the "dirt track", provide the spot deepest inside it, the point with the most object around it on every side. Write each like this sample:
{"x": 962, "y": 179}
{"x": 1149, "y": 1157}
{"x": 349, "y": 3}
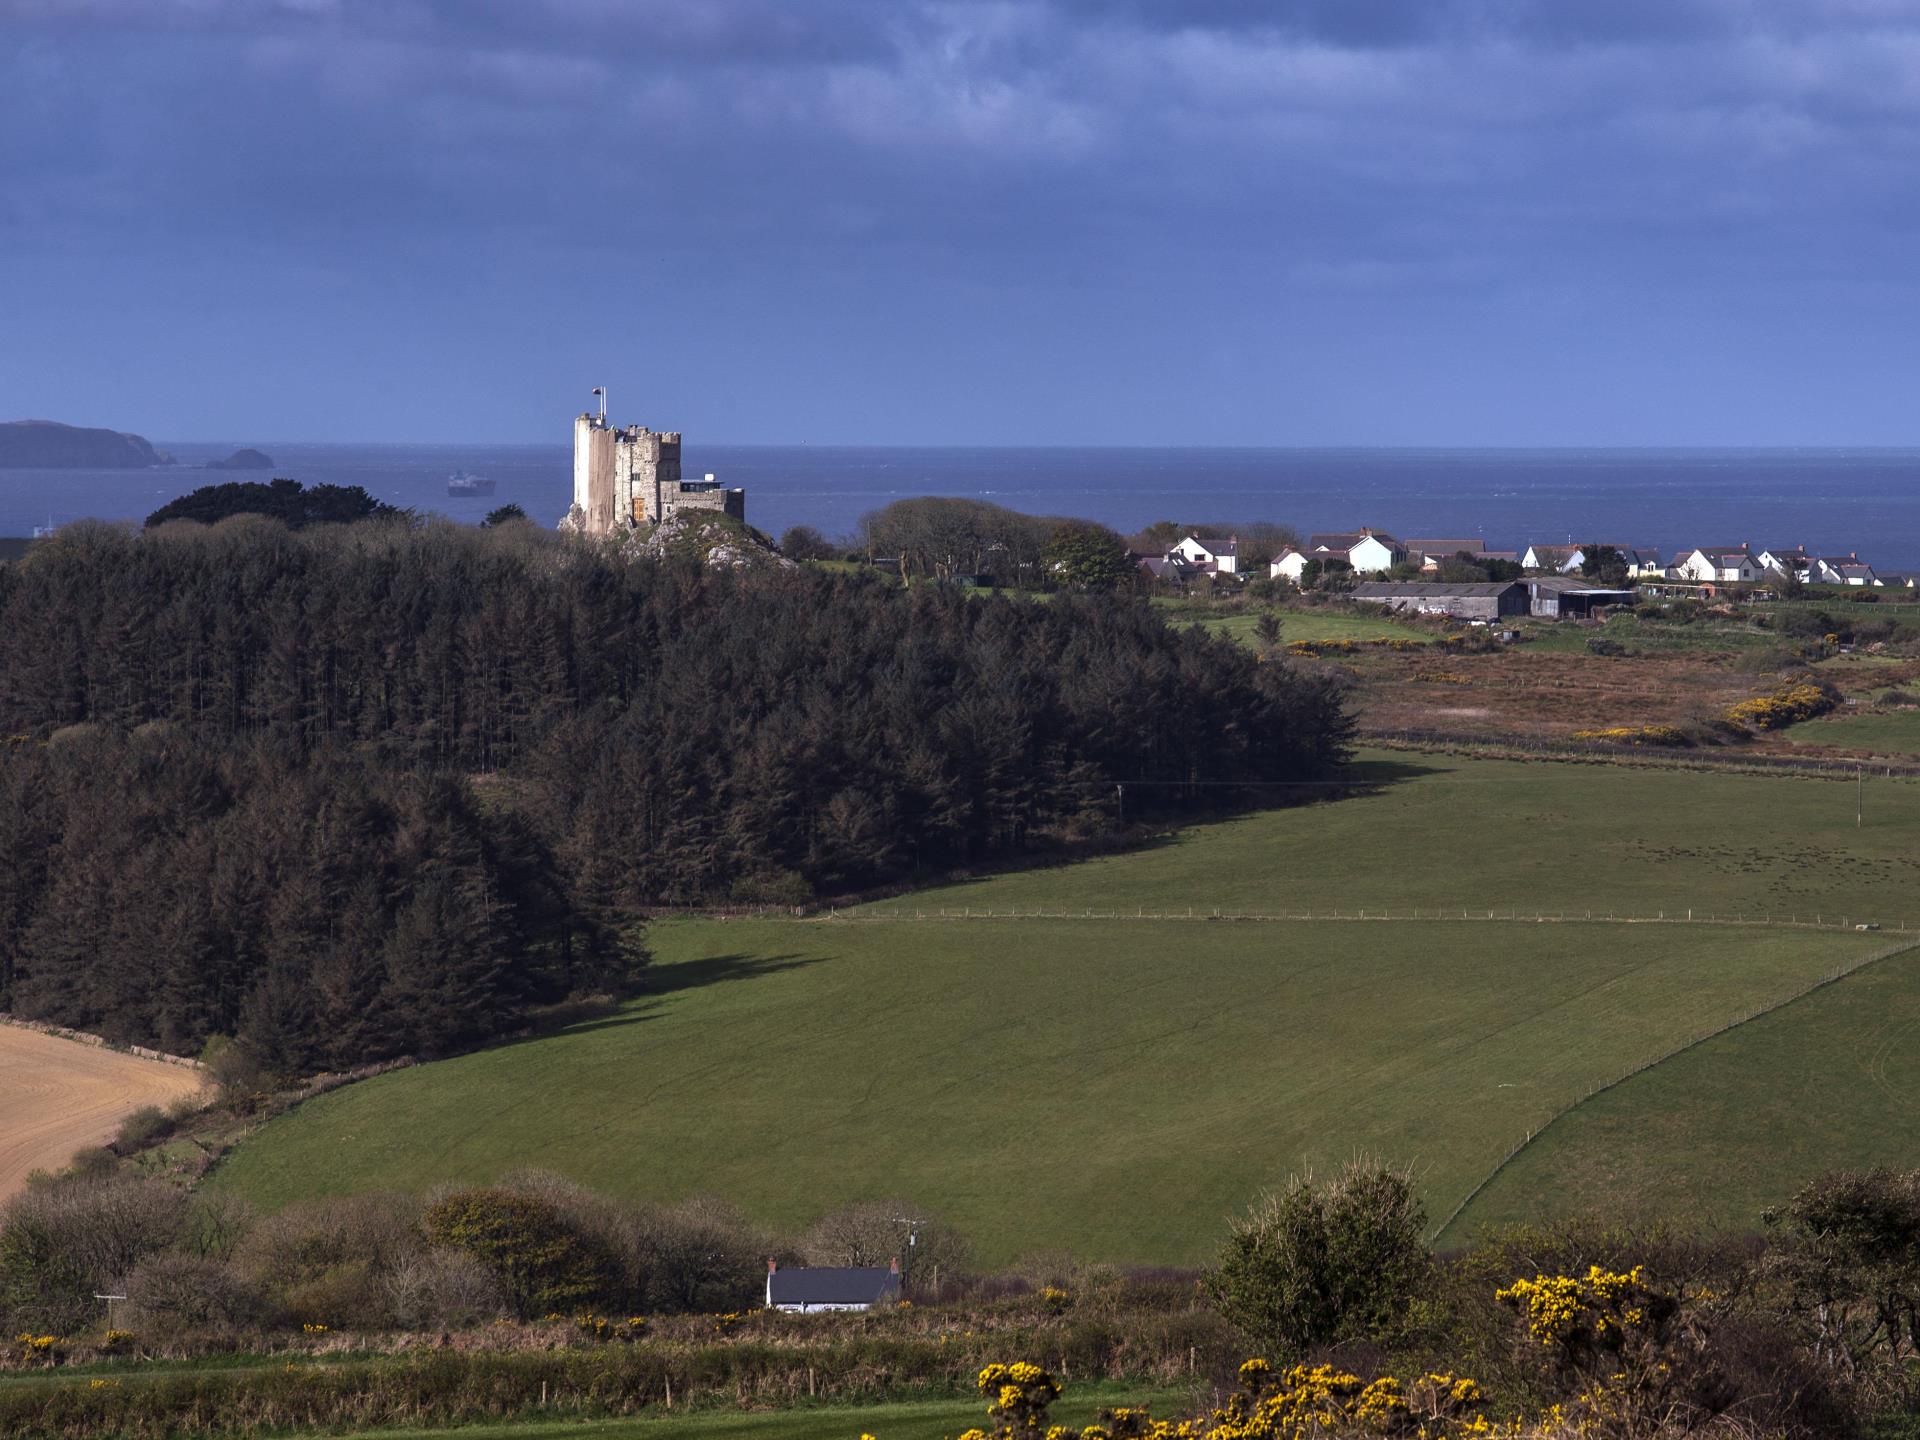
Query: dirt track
{"x": 59, "y": 1095}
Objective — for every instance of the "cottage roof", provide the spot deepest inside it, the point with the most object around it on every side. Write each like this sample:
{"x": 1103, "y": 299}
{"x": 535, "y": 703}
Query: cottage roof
{"x": 831, "y": 1285}
{"x": 1555, "y": 554}
{"x": 1447, "y": 547}
{"x": 1216, "y": 541}
{"x": 1341, "y": 542}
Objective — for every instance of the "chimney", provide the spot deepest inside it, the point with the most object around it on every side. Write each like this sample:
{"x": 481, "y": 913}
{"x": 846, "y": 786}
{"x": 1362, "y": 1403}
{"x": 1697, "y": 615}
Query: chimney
{"x": 772, "y": 1265}
{"x": 895, "y": 1266}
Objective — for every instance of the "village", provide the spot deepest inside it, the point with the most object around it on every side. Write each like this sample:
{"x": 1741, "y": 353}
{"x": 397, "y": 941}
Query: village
{"x": 1464, "y": 579}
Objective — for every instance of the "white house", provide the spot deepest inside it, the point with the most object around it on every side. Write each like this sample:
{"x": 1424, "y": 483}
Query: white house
{"x": 1643, "y": 564}
{"x": 1723, "y": 565}
{"x": 1375, "y": 551}
{"x": 1561, "y": 558}
{"x": 1848, "y": 569}
{"x": 1289, "y": 565}
{"x": 1782, "y": 560}
{"x": 1216, "y": 554}
{"x": 807, "y": 1289}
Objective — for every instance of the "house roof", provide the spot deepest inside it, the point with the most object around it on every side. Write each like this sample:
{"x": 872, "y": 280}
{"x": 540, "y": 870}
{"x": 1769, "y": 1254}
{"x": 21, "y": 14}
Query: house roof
{"x": 1340, "y": 542}
{"x": 1446, "y": 547}
{"x": 1430, "y": 589}
{"x": 831, "y": 1285}
{"x": 1555, "y": 552}
{"x": 1215, "y": 541}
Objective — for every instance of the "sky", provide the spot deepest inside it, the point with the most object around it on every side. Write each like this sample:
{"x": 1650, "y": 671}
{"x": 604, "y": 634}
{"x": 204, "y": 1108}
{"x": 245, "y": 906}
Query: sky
{"x": 1228, "y": 222}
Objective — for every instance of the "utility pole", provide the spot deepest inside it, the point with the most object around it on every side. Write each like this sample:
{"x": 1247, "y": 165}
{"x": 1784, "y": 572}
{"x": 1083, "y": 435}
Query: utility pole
{"x": 1859, "y": 793}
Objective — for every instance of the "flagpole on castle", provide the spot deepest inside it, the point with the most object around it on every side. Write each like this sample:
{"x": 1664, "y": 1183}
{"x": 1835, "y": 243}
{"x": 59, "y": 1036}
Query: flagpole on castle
{"x": 601, "y": 391}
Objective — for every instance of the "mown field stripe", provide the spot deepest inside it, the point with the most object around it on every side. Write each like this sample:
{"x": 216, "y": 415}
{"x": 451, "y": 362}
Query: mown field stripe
{"x": 1842, "y": 973}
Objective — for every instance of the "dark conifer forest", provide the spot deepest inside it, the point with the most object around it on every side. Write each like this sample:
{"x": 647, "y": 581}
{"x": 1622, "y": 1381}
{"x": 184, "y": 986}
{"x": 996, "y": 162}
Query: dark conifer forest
{"x": 361, "y": 791}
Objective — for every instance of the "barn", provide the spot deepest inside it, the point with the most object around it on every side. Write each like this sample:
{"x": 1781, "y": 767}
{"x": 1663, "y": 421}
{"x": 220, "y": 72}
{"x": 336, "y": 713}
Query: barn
{"x": 1561, "y": 597}
{"x": 1475, "y": 600}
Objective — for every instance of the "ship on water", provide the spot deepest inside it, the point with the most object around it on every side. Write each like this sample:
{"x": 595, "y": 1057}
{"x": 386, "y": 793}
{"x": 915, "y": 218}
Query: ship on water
{"x": 461, "y": 483}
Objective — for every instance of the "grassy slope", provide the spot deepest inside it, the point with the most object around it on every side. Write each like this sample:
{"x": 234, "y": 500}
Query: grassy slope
{"x": 1733, "y": 1125}
{"x": 1450, "y": 832}
{"x": 1118, "y": 1086}
{"x": 1890, "y": 732}
{"x": 1110, "y": 1087}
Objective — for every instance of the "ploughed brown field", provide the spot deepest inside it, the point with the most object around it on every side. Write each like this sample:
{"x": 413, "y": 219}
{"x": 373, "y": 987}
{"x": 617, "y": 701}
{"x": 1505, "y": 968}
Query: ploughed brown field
{"x": 58, "y": 1096}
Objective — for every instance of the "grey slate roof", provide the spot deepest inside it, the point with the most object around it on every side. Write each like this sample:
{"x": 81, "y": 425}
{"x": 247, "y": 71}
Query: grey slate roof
{"x": 1568, "y": 585}
{"x": 831, "y": 1285}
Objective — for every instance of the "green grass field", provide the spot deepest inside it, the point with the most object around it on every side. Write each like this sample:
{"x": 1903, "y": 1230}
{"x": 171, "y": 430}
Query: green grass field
{"x": 902, "y": 1420}
{"x": 1888, "y": 732}
{"x": 1117, "y": 1087}
{"x": 1301, "y": 623}
{"x": 1733, "y": 1125}
{"x": 1442, "y": 832}
{"x": 1113, "y": 1089}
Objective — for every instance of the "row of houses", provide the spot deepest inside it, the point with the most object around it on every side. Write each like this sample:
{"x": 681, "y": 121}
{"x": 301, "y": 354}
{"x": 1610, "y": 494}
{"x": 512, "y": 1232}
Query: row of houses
{"x": 1374, "y": 552}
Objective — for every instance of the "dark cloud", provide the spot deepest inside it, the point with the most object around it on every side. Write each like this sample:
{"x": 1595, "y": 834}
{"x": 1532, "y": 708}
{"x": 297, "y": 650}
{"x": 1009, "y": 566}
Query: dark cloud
{"x": 903, "y": 155}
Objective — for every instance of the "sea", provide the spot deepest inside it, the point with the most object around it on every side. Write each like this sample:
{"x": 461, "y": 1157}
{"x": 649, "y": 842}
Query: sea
{"x": 1833, "y": 501}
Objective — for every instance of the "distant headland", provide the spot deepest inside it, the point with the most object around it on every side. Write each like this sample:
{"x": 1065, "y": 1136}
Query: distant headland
{"x": 49, "y": 445}
{"x": 243, "y": 459}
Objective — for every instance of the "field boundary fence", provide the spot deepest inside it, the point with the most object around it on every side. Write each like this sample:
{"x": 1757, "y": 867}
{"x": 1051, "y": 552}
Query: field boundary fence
{"x": 1483, "y": 745}
{"x": 1498, "y": 915}
{"x": 1832, "y": 977}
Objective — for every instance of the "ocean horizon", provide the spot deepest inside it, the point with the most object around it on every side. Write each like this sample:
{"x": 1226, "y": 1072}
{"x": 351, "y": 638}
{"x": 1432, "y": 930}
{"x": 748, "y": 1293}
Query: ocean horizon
{"x": 1834, "y": 500}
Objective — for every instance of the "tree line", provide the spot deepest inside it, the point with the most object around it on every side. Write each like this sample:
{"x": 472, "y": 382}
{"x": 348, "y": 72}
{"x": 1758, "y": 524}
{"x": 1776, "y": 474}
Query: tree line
{"x": 265, "y": 781}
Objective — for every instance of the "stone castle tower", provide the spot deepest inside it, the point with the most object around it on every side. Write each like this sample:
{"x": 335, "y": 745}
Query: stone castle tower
{"x": 628, "y": 477}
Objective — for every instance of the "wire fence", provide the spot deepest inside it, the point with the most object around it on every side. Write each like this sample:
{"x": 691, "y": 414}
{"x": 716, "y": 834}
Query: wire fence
{"x": 1450, "y": 914}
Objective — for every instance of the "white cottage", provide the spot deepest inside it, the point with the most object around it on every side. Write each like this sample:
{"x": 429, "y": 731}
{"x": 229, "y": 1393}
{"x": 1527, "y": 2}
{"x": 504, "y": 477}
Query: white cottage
{"x": 808, "y": 1289}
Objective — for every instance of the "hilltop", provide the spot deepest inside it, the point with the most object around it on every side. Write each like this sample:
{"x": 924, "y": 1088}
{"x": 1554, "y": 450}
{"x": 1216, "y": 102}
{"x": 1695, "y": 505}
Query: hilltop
{"x": 49, "y": 445}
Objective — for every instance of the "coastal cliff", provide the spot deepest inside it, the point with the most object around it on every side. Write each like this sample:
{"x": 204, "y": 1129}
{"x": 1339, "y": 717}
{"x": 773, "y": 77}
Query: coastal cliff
{"x": 49, "y": 445}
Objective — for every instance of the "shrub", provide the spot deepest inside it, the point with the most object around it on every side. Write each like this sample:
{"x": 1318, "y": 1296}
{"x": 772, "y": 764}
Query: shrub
{"x": 1788, "y": 705}
{"x": 541, "y": 1263}
{"x": 1637, "y": 735}
{"x": 1320, "y": 1262}
{"x": 1600, "y": 645}
{"x": 170, "y": 1295}
{"x": 140, "y": 1129}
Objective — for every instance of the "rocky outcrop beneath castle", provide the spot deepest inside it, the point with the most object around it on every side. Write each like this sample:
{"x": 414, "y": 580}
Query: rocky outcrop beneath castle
{"x": 574, "y": 522}
{"x": 243, "y": 459}
{"x": 49, "y": 445}
{"x": 718, "y": 541}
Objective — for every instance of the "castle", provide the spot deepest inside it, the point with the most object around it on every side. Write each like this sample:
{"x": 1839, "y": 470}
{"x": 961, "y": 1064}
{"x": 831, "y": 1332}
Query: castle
{"x": 627, "y": 477}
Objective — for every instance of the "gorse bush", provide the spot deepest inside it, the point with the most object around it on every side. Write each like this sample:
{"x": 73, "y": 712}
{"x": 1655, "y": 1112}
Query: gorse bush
{"x": 1788, "y": 705}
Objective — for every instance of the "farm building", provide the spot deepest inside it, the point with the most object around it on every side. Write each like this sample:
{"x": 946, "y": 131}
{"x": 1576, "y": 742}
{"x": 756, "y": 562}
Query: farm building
{"x": 1561, "y": 597}
{"x": 1484, "y": 600}
{"x": 807, "y": 1289}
